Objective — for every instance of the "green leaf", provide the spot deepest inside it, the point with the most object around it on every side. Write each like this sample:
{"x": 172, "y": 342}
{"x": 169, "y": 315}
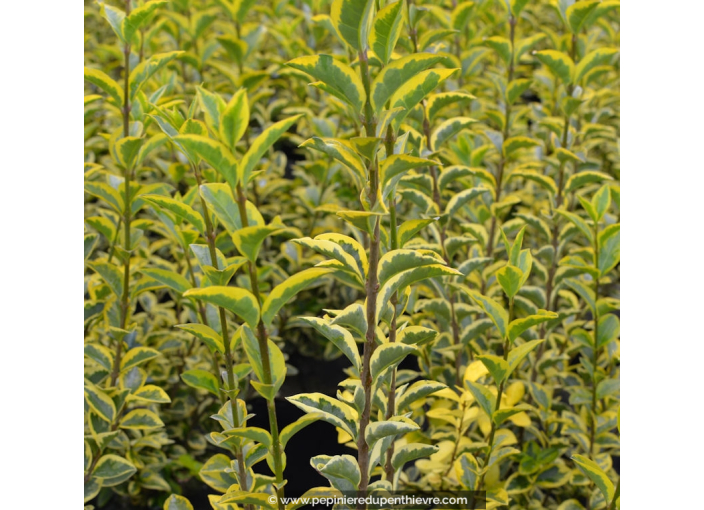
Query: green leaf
{"x": 243, "y": 499}
{"x": 180, "y": 209}
{"x": 518, "y": 326}
{"x": 416, "y": 89}
{"x": 341, "y": 80}
{"x": 256, "y": 151}
{"x": 497, "y": 367}
{"x": 501, "y": 415}
{"x": 516, "y": 355}
{"x": 609, "y": 329}
{"x": 115, "y": 18}
{"x": 151, "y": 393}
{"x": 222, "y": 204}
{"x": 598, "y": 57}
{"x": 494, "y": 310}
{"x": 518, "y": 142}
{"x": 344, "y": 152}
{"x": 341, "y": 470}
{"x": 510, "y": 278}
{"x": 559, "y": 63}
{"x": 459, "y": 200}
{"x": 609, "y": 248}
{"x": 234, "y": 119}
{"x": 254, "y": 433}
{"x": 447, "y": 130}
{"x": 437, "y": 102}
{"x": 213, "y": 107}
{"x": 415, "y": 335}
{"x": 331, "y": 410}
{"x": 169, "y": 278}
{"x": 145, "y": 70}
{"x": 136, "y": 356}
{"x": 339, "y": 336}
{"x": 106, "y": 193}
{"x": 601, "y": 202}
{"x": 206, "y": 334}
{"x": 127, "y": 150}
{"x": 239, "y": 301}
{"x": 393, "y": 168}
{"x": 578, "y": 12}
{"x": 485, "y": 399}
{"x": 352, "y": 20}
{"x": 401, "y": 280}
{"x": 283, "y": 292}
{"x": 583, "y": 178}
{"x": 99, "y": 402}
{"x": 584, "y": 292}
{"x": 578, "y": 222}
{"x": 176, "y": 502}
{"x": 388, "y": 355}
{"x": 201, "y": 379}
{"x": 107, "y": 84}
{"x": 292, "y": 428}
{"x": 212, "y": 152}
{"x": 141, "y": 419}
{"x": 397, "y": 261}
{"x": 393, "y": 427}
{"x": 410, "y": 228}
{"x": 596, "y": 475}
{"x": 136, "y": 19}
{"x": 276, "y": 361}
{"x": 411, "y": 451}
{"x": 500, "y": 45}
{"x": 397, "y": 74}
{"x": 545, "y": 181}
{"x": 387, "y": 29}
{"x": 113, "y": 470}
{"x": 335, "y": 251}
{"x": 417, "y": 391}
{"x": 249, "y": 240}
{"x": 111, "y": 275}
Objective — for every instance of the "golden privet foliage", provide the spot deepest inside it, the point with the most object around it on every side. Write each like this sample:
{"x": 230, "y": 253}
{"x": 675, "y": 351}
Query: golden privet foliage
{"x": 435, "y": 183}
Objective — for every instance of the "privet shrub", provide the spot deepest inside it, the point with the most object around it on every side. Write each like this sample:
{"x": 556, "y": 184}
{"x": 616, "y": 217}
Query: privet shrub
{"x": 427, "y": 189}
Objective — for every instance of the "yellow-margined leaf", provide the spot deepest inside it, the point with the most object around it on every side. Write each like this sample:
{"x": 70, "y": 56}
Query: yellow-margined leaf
{"x": 387, "y": 29}
{"x": 151, "y": 393}
{"x": 113, "y": 469}
{"x": 147, "y": 69}
{"x": 334, "y": 251}
{"x": 206, "y": 334}
{"x": 344, "y": 152}
{"x": 331, "y": 410}
{"x": 494, "y": 310}
{"x": 518, "y": 326}
{"x": 591, "y": 60}
{"x": 99, "y": 402}
{"x": 241, "y": 302}
{"x": 394, "y": 167}
{"x": 341, "y": 79}
{"x": 212, "y": 152}
{"x": 414, "y": 90}
{"x": 458, "y": 200}
{"x": 169, "y": 278}
{"x": 437, "y": 102}
{"x": 559, "y": 63}
{"x": 350, "y": 246}
{"x": 107, "y": 84}
{"x": 201, "y": 379}
{"x": 596, "y": 475}
{"x": 578, "y": 12}
{"x": 137, "y": 18}
{"x": 447, "y": 130}
{"x": 141, "y": 419}
{"x": 396, "y": 75}
{"x": 283, "y": 292}
{"x": 352, "y": 19}
{"x": 397, "y": 261}
{"x": 249, "y": 240}
{"x": 180, "y": 209}
{"x": 234, "y": 119}
{"x": 176, "y": 502}
{"x": 136, "y": 356}
{"x": 262, "y": 143}
{"x": 339, "y": 336}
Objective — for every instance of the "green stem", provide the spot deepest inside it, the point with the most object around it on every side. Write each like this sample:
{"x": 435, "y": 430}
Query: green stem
{"x": 263, "y": 341}
{"x": 372, "y": 291}
{"x": 595, "y": 349}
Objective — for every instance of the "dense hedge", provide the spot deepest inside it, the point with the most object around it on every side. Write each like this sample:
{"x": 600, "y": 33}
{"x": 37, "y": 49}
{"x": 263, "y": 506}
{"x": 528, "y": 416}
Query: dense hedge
{"x": 424, "y": 194}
